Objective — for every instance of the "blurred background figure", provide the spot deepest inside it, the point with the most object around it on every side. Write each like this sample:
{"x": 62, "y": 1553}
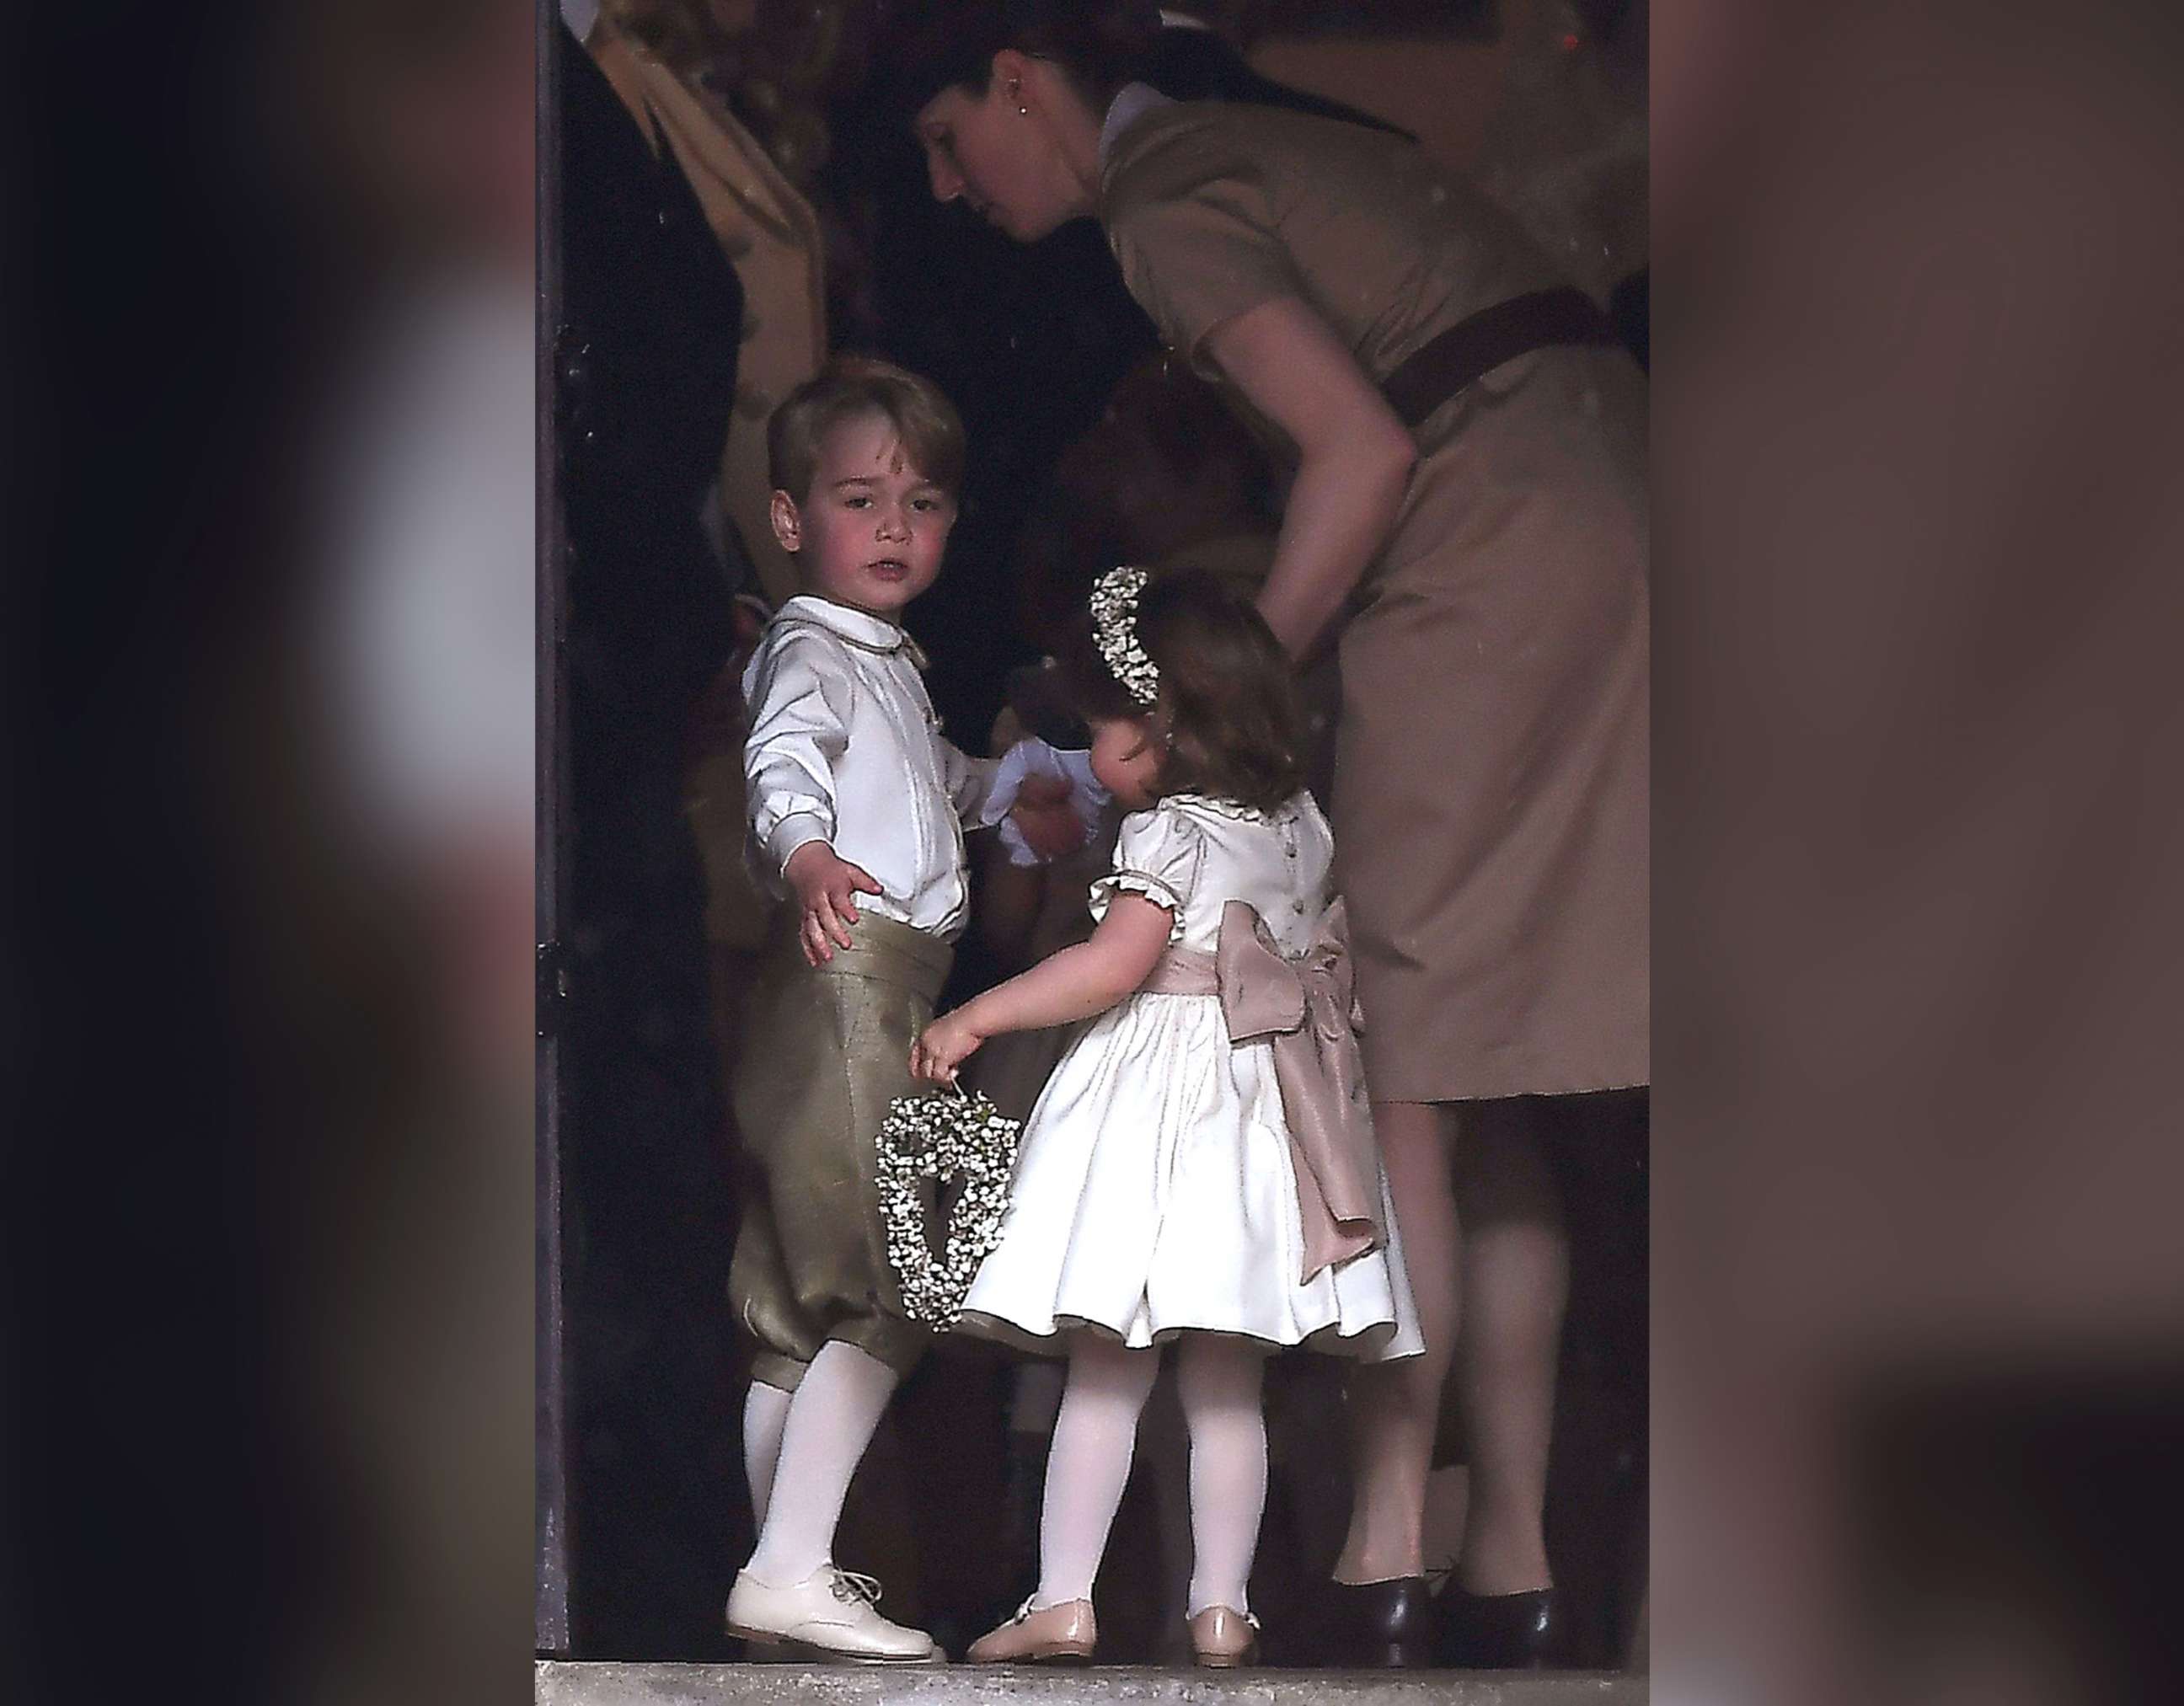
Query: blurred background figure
{"x": 391, "y": 923}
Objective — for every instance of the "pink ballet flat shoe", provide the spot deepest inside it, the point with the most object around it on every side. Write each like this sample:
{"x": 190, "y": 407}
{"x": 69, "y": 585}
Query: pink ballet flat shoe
{"x": 1062, "y": 1634}
{"x": 1222, "y": 1639}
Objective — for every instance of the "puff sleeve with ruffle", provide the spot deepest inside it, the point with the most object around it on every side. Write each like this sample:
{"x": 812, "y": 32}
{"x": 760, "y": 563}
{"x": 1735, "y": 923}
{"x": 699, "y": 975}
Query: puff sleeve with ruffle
{"x": 1159, "y": 855}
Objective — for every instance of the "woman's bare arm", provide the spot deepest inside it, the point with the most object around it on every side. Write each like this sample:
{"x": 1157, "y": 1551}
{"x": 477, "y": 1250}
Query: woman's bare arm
{"x": 1354, "y": 458}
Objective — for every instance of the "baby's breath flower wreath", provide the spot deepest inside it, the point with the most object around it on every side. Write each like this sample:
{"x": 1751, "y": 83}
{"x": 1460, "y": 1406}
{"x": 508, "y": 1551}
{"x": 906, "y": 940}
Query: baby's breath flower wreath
{"x": 1115, "y": 632}
{"x": 942, "y": 1137}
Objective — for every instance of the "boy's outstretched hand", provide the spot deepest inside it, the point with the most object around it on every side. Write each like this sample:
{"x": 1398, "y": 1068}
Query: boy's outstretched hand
{"x": 826, "y": 888}
{"x": 948, "y": 1042}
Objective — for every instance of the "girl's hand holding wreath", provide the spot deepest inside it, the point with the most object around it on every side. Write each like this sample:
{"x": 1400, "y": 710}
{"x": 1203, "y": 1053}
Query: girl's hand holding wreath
{"x": 948, "y": 1042}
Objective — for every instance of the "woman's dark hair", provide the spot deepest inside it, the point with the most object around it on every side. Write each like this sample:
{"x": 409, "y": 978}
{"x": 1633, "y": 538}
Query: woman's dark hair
{"x": 928, "y": 46}
{"x": 1227, "y": 711}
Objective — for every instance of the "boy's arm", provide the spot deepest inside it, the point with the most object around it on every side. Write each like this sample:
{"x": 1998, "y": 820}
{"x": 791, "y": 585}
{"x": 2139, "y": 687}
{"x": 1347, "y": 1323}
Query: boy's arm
{"x": 802, "y": 694}
{"x": 801, "y": 699}
{"x": 970, "y": 781}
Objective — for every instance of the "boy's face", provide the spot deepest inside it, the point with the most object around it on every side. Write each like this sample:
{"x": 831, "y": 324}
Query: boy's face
{"x": 870, "y": 531}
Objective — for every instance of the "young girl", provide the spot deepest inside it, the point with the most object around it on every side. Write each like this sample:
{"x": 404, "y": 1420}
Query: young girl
{"x": 1201, "y": 1167}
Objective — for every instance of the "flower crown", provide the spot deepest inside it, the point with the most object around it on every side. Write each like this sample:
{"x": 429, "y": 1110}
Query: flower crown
{"x": 1115, "y": 632}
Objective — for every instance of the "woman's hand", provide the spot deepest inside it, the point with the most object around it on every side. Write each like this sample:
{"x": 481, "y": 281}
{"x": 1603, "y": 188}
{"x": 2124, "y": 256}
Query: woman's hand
{"x": 948, "y": 1042}
{"x": 827, "y": 887}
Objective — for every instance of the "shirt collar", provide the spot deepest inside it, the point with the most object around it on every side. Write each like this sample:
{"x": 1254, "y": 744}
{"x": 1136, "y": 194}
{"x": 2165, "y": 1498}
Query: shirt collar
{"x": 861, "y": 629}
{"x": 1132, "y": 104}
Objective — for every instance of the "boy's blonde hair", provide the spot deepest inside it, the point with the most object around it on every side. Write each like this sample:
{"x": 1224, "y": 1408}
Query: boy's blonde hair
{"x": 851, "y": 386}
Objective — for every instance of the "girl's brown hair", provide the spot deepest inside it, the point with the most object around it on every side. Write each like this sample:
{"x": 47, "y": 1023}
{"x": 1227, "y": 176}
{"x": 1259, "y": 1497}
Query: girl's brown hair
{"x": 1227, "y": 713}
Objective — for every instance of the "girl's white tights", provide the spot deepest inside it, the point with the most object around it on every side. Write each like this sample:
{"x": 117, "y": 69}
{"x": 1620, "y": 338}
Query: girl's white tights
{"x": 828, "y": 1422}
{"x": 1095, "y": 1434}
{"x": 766, "y": 1412}
{"x": 1218, "y": 1381}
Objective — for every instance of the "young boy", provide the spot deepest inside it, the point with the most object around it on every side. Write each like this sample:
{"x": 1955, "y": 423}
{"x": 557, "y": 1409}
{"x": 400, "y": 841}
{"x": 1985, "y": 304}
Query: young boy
{"x": 857, "y": 805}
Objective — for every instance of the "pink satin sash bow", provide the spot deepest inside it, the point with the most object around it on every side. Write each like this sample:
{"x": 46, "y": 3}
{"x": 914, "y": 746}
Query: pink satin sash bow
{"x": 1305, "y": 1009}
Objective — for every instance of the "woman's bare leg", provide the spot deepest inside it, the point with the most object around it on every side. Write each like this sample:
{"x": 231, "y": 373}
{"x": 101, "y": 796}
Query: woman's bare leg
{"x": 1394, "y": 1406}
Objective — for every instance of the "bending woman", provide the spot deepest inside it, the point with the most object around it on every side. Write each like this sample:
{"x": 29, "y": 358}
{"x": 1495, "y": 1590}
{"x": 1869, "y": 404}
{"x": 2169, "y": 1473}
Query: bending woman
{"x": 1466, "y": 519}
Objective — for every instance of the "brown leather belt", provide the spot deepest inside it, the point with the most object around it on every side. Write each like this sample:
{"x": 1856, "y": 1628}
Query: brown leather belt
{"x": 1541, "y": 320}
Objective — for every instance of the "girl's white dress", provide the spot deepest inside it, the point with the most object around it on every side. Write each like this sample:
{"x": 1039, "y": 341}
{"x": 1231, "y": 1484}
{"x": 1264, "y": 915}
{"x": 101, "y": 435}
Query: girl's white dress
{"x": 1154, "y": 1189}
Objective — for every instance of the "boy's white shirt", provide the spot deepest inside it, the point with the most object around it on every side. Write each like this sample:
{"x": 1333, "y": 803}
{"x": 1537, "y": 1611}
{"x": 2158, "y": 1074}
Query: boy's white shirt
{"x": 845, "y": 747}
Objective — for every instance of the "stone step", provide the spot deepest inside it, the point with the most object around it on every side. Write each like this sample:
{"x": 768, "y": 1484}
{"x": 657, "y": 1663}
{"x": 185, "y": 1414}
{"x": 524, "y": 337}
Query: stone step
{"x": 560, "y": 1683}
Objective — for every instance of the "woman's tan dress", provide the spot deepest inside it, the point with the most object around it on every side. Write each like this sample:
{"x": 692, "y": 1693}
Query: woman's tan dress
{"x": 1491, "y": 788}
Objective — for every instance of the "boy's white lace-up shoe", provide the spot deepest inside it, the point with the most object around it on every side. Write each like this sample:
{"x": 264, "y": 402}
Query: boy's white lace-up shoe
{"x": 828, "y": 1615}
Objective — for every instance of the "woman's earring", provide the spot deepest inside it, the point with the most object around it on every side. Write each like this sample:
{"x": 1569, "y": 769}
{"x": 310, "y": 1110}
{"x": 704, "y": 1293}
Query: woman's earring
{"x": 1015, "y": 94}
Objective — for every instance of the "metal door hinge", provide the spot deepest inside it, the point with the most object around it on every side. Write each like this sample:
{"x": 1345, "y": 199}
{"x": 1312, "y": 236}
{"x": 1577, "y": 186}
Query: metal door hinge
{"x": 553, "y": 987}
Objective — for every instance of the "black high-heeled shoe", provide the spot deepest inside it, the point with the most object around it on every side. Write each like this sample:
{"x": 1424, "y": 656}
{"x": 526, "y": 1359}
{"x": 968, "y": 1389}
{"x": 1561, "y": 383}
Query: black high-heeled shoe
{"x": 1371, "y": 1625}
{"x": 1500, "y": 1632}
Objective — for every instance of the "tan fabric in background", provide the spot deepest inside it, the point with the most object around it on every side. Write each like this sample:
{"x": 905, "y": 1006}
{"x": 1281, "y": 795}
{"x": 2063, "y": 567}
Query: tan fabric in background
{"x": 771, "y": 235}
{"x": 1491, "y": 776}
{"x": 825, "y": 1050}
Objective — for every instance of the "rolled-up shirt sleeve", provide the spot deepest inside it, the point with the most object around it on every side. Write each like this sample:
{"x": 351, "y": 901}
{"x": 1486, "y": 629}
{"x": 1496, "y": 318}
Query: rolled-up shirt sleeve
{"x": 801, "y": 696}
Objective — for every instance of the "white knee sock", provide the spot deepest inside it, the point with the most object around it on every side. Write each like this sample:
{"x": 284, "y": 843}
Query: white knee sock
{"x": 831, "y": 1418}
{"x": 1218, "y": 1381}
{"x": 1094, "y": 1433}
{"x": 766, "y": 1412}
